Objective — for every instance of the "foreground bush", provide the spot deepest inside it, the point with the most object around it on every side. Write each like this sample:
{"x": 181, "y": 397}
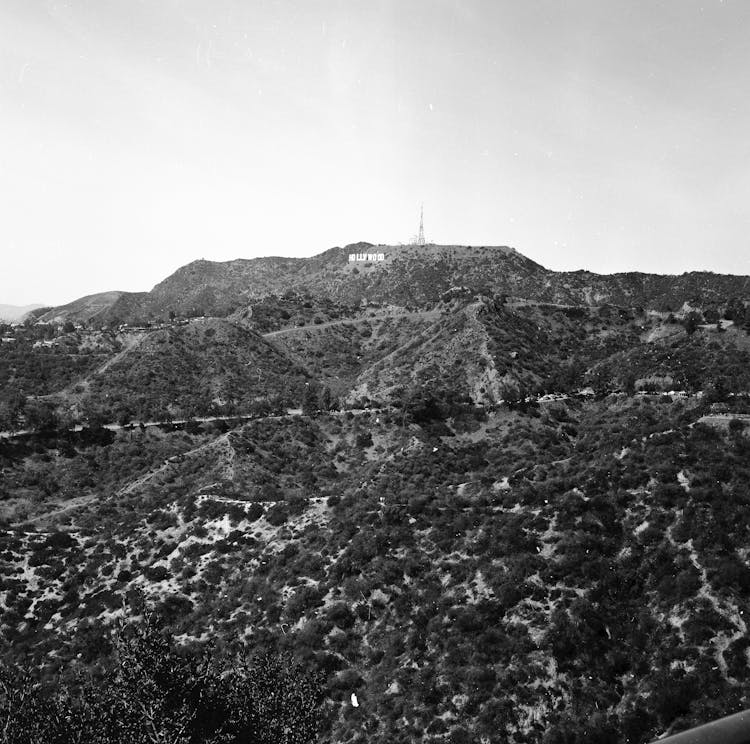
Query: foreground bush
{"x": 156, "y": 693}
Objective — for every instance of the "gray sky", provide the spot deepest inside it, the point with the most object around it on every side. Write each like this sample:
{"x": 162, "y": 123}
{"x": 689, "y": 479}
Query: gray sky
{"x": 138, "y": 135}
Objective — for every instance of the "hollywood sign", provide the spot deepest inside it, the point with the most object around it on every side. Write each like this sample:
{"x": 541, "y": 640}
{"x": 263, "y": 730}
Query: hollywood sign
{"x": 366, "y": 257}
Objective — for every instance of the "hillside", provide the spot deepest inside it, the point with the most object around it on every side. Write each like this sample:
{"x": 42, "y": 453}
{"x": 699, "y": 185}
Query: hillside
{"x": 410, "y": 276}
{"x": 206, "y": 367}
{"x": 338, "y": 352}
{"x": 96, "y": 309}
{"x": 463, "y": 584}
{"x": 514, "y": 511}
{"x": 484, "y": 349}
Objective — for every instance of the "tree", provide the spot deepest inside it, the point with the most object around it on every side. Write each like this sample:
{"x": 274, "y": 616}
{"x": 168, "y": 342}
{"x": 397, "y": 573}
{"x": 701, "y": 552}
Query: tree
{"x": 628, "y": 382}
{"x": 40, "y": 416}
{"x": 93, "y": 414}
{"x": 513, "y": 395}
{"x": 717, "y": 390}
{"x": 6, "y": 421}
{"x": 736, "y": 425}
{"x": 309, "y": 401}
{"x": 124, "y": 415}
{"x": 423, "y": 402}
{"x": 9, "y": 416}
{"x": 159, "y": 692}
{"x": 325, "y": 400}
{"x": 735, "y": 309}
{"x": 11, "y": 408}
{"x": 691, "y": 322}
{"x": 711, "y": 315}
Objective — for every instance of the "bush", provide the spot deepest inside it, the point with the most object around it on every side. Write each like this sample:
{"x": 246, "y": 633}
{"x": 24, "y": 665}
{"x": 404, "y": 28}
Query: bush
{"x": 736, "y": 425}
{"x": 254, "y": 512}
{"x": 156, "y": 691}
{"x": 364, "y": 439}
{"x": 156, "y": 573}
{"x": 340, "y": 615}
{"x": 59, "y": 541}
{"x": 278, "y": 514}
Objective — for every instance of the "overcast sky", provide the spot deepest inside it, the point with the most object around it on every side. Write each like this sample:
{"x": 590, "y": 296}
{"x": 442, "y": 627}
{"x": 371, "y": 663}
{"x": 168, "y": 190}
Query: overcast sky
{"x": 138, "y": 135}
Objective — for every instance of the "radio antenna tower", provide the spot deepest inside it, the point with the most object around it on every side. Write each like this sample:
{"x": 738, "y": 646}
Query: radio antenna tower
{"x": 420, "y": 237}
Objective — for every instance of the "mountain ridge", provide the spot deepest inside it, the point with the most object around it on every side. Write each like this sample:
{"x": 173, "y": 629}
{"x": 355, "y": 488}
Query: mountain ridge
{"x": 410, "y": 276}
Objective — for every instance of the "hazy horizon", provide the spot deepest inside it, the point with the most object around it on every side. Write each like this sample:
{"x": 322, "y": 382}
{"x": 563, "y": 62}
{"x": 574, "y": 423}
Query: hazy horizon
{"x": 587, "y": 135}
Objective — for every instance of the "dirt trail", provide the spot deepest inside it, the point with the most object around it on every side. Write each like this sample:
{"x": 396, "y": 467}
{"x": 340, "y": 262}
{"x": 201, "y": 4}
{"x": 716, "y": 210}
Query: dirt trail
{"x": 419, "y": 339}
{"x": 220, "y": 442}
{"x": 74, "y": 503}
{"x": 131, "y": 341}
{"x": 354, "y": 321}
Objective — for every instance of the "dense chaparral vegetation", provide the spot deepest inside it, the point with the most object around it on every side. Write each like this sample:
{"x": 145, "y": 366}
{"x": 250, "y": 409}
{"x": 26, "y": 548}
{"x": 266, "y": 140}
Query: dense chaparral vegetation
{"x": 484, "y": 517}
{"x": 154, "y": 690}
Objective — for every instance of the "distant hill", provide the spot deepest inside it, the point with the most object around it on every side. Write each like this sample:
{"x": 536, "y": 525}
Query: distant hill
{"x": 410, "y": 276}
{"x": 16, "y": 313}
{"x": 95, "y": 308}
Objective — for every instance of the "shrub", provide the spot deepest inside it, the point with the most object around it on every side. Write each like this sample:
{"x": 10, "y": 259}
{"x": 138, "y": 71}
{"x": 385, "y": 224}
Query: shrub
{"x": 340, "y": 615}
{"x": 156, "y": 691}
{"x": 254, "y": 512}
{"x": 59, "y": 541}
{"x": 736, "y": 425}
{"x": 278, "y": 514}
{"x": 156, "y": 573}
{"x": 364, "y": 439}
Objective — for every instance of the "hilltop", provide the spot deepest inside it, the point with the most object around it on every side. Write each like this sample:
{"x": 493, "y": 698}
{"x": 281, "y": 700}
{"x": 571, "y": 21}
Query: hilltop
{"x": 95, "y": 308}
{"x": 409, "y": 276}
